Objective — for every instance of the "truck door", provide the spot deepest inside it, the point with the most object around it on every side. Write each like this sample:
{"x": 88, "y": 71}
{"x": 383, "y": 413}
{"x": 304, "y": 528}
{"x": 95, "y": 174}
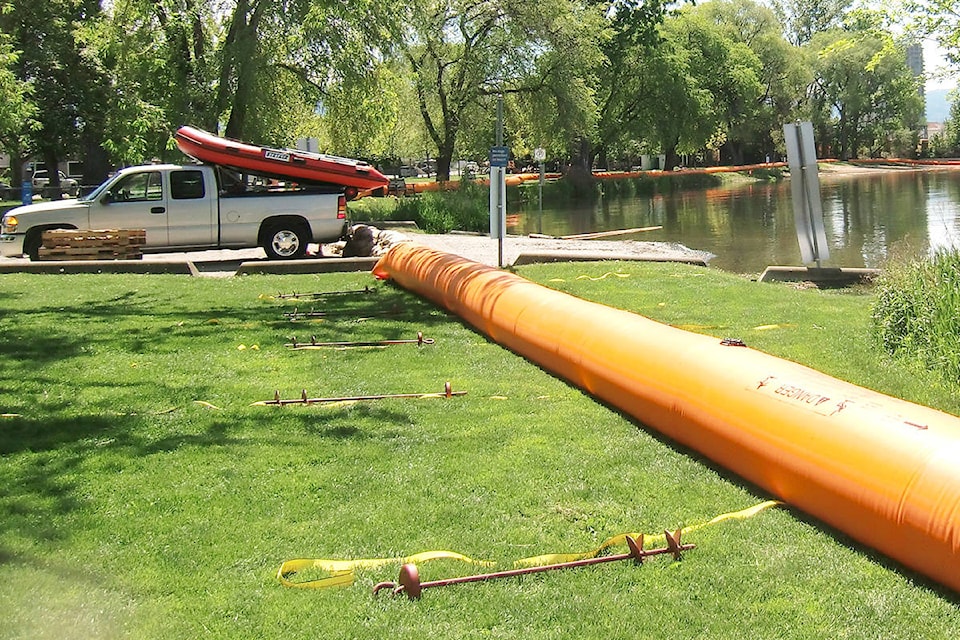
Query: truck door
{"x": 137, "y": 201}
{"x": 191, "y": 216}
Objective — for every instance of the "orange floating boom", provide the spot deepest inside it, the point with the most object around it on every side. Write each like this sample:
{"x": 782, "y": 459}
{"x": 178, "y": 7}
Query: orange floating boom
{"x": 882, "y": 470}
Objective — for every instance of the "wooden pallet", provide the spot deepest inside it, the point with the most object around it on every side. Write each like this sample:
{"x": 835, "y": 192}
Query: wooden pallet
{"x": 92, "y": 244}
{"x": 88, "y": 253}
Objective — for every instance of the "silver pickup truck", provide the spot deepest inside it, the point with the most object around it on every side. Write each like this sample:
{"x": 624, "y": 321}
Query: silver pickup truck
{"x": 185, "y": 208}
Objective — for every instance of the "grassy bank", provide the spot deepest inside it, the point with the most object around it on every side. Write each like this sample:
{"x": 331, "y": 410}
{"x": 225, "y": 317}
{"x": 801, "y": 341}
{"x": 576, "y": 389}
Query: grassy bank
{"x": 141, "y": 495}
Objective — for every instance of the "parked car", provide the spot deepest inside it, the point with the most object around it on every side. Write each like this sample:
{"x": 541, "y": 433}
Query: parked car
{"x": 5, "y": 191}
{"x": 409, "y": 171}
{"x": 41, "y": 179}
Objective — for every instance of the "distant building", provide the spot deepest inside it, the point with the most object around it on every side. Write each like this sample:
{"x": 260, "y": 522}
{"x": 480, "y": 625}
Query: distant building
{"x": 915, "y": 62}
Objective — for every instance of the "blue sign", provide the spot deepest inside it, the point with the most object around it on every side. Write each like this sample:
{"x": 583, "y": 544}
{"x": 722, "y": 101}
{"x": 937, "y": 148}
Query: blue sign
{"x": 26, "y": 192}
{"x": 499, "y": 156}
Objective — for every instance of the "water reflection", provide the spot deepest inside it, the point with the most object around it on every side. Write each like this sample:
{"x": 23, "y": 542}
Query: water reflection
{"x": 868, "y": 218}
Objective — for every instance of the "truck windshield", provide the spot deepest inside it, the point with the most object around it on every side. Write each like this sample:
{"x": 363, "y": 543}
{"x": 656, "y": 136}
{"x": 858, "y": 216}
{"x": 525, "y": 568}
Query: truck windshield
{"x": 93, "y": 195}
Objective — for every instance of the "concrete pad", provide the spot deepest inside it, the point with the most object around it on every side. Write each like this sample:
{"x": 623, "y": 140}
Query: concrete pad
{"x": 314, "y": 265}
{"x": 98, "y": 266}
{"x": 821, "y": 276}
{"x": 581, "y": 256}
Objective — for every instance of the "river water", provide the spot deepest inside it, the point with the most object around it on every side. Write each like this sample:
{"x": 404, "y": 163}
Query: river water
{"x": 868, "y": 219}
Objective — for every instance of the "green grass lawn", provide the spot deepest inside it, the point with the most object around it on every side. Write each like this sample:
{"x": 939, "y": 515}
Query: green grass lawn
{"x": 143, "y": 496}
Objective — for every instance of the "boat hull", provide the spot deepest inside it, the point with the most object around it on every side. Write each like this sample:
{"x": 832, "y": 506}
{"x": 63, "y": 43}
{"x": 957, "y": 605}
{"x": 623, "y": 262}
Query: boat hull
{"x": 884, "y": 471}
{"x": 300, "y": 166}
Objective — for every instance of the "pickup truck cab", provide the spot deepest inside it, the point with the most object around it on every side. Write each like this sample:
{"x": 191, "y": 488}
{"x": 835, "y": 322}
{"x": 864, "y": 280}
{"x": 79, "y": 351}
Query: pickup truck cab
{"x": 183, "y": 208}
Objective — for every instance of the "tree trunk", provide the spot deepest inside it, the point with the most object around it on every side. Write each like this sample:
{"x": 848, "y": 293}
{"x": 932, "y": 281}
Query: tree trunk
{"x": 96, "y": 163}
{"x": 52, "y": 163}
{"x": 444, "y": 159}
{"x": 672, "y": 158}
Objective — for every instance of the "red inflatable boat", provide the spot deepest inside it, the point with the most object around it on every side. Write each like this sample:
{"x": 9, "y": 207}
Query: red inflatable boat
{"x": 301, "y": 166}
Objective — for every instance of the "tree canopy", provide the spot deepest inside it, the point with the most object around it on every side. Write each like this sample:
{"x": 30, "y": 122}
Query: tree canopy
{"x": 595, "y": 82}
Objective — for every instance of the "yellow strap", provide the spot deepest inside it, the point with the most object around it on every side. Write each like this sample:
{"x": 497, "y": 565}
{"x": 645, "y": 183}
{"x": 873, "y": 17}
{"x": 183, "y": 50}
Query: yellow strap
{"x": 618, "y": 540}
{"x": 342, "y": 571}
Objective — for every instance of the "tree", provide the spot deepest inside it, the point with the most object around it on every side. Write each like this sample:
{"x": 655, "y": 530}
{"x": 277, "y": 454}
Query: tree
{"x": 947, "y": 143}
{"x": 941, "y": 20}
{"x": 803, "y": 19}
{"x": 782, "y": 74}
{"x": 695, "y": 88}
{"x": 67, "y": 90}
{"x": 16, "y": 110}
{"x": 613, "y": 90}
{"x": 464, "y": 53}
{"x": 863, "y": 90}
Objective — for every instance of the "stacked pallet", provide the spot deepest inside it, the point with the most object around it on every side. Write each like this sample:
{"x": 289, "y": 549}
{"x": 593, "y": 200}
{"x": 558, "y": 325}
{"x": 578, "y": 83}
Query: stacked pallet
{"x": 88, "y": 244}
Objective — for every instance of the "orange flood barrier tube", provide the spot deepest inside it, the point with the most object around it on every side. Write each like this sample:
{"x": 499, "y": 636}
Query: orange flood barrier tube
{"x": 882, "y": 470}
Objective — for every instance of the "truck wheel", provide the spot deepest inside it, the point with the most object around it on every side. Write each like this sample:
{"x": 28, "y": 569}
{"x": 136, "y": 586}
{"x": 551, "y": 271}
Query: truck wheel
{"x": 31, "y": 245}
{"x": 284, "y": 241}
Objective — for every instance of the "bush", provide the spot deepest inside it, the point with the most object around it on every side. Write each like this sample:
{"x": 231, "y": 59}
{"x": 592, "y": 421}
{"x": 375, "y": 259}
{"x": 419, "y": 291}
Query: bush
{"x": 917, "y": 312}
{"x": 464, "y": 209}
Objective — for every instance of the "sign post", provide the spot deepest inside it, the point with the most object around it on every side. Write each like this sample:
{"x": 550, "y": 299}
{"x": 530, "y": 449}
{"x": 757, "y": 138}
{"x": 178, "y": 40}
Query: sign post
{"x": 805, "y": 192}
{"x": 540, "y": 154}
{"x": 499, "y": 158}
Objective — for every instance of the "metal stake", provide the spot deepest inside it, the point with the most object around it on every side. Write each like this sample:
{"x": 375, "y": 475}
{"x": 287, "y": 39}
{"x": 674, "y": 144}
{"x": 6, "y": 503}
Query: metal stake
{"x": 313, "y": 344}
{"x": 296, "y": 314}
{"x": 409, "y": 580}
{"x": 324, "y": 294}
{"x": 303, "y": 399}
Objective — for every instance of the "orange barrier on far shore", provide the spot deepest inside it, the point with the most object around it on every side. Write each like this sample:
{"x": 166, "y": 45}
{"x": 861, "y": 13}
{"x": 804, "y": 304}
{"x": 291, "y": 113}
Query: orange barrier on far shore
{"x": 884, "y": 471}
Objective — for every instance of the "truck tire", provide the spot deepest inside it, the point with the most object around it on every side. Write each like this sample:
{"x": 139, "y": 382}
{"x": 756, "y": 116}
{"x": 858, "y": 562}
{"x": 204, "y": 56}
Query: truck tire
{"x": 32, "y": 243}
{"x": 285, "y": 240}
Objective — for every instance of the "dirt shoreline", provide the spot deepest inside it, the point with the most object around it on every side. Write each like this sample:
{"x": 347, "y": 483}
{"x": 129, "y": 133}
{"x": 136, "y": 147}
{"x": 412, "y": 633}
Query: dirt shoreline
{"x": 486, "y": 250}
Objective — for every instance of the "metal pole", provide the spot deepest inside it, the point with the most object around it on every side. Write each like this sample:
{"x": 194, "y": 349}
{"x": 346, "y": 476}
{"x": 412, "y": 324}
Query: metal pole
{"x": 540, "y": 201}
{"x": 501, "y": 195}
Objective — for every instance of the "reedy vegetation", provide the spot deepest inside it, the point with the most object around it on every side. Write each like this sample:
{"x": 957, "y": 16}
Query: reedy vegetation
{"x": 917, "y": 313}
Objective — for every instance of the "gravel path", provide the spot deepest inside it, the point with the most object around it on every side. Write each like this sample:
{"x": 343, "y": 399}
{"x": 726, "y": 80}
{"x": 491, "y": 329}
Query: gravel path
{"x": 481, "y": 248}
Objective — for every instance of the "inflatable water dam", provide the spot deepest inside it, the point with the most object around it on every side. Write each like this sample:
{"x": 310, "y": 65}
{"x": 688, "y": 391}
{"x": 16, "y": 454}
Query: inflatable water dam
{"x": 884, "y": 471}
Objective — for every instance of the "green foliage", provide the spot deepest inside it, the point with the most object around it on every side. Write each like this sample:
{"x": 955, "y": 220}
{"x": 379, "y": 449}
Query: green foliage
{"x": 463, "y": 209}
{"x": 940, "y": 20}
{"x": 17, "y": 109}
{"x": 863, "y": 90}
{"x": 804, "y": 19}
{"x": 917, "y": 312}
{"x": 947, "y": 143}
{"x": 67, "y": 91}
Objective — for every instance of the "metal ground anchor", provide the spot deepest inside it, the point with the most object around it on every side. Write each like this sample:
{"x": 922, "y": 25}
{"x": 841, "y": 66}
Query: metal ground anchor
{"x": 314, "y": 344}
{"x": 324, "y": 294}
{"x": 296, "y": 314}
{"x": 409, "y": 580}
{"x": 448, "y": 392}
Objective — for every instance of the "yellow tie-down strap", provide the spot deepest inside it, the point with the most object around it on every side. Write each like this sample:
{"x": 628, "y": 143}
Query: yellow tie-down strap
{"x": 342, "y": 571}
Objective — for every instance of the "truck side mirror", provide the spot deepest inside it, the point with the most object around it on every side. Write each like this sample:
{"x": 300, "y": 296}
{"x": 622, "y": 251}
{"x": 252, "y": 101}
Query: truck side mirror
{"x": 107, "y": 198}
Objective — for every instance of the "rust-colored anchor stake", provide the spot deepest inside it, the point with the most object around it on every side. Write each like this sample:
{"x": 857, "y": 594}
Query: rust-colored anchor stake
{"x": 314, "y": 344}
{"x": 448, "y": 392}
{"x": 409, "y": 580}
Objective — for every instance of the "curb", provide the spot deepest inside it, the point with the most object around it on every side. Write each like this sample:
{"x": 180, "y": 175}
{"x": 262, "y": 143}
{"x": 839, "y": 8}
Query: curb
{"x": 322, "y": 265}
{"x": 827, "y": 276}
{"x": 101, "y": 266}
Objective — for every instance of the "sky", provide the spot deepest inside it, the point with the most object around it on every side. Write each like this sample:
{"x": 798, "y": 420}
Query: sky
{"x": 933, "y": 62}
